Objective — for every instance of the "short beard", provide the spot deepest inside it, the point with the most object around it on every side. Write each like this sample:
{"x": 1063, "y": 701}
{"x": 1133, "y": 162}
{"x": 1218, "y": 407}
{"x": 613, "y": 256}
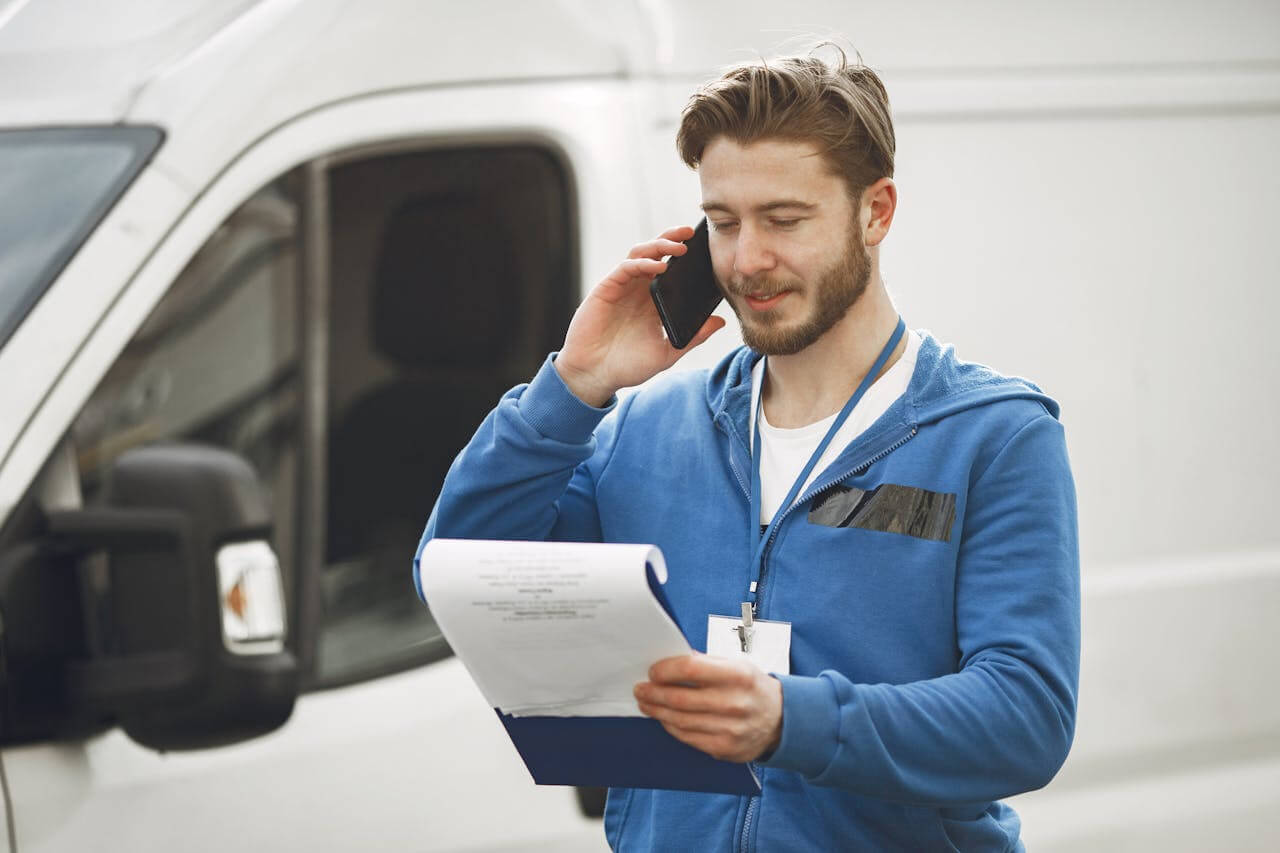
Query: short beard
{"x": 834, "y": 293}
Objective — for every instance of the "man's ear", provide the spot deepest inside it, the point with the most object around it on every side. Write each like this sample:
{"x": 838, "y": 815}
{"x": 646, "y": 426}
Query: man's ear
{"x": 879, "y": 203}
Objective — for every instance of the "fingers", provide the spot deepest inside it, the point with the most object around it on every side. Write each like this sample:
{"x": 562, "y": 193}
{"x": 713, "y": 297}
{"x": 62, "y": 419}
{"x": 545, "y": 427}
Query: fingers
{"x": 634, "y": 268}
{"x": 680, "y": 232}
{"x": 669, "y": 242}
{"x": 687, "y": 720}
{"x": 658, "y": 248}
{"x": 732, "y": 729}
{"x": 702, "y": 670}
{"x": 726, "y": 708}
{"x": 694, "y": 700}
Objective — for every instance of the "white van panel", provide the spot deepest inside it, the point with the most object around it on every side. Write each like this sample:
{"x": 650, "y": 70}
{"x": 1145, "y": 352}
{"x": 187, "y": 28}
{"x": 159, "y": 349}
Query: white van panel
{"x": 235, "y": 69}
{"x": 281, "y": 61}
{"x": 588, "y": 121}
{"x": 82, "y": 63}
{"x": 415, "y": 761}
{"x": 990, "y": 37}
{"x": 1203, "y": 808}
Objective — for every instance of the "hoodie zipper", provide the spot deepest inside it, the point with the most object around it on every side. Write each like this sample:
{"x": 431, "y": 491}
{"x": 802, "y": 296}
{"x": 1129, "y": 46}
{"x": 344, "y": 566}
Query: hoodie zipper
{"x": 753, "y": 802}
{"x": 809, "y": 495}
{"x": 745, "y": 846}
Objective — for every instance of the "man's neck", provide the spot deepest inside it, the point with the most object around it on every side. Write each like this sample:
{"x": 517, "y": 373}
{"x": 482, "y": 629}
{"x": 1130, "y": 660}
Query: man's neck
{"x": 816, "y": 382}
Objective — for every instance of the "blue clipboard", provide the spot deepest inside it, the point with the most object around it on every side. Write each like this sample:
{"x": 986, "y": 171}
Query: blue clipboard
{"x": 622, "y": 752}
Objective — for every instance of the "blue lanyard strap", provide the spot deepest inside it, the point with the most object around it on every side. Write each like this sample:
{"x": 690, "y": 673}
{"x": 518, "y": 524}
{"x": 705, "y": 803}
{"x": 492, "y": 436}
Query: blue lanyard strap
{"x": 760, "y": 540}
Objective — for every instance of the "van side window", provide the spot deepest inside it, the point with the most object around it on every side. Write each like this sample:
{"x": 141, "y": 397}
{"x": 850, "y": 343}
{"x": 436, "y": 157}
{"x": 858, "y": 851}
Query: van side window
{"x": 452, "y": 276}
{"x": 216, "y": 362}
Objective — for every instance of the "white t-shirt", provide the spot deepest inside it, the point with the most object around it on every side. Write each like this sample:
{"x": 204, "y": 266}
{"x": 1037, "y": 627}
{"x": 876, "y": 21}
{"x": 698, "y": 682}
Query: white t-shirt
{"x": 784, "y": 452}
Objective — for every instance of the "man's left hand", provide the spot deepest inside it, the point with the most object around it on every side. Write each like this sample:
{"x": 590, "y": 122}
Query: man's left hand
{"x": 729, "y": 709}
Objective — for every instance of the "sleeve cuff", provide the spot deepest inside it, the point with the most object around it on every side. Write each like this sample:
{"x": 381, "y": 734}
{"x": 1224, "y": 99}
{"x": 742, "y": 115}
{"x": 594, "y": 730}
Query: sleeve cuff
{"x": 810, "y": 725}
{"x": 551, "y": 408}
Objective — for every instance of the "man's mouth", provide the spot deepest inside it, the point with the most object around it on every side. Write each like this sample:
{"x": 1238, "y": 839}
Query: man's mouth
{"x": 763, "y": 301}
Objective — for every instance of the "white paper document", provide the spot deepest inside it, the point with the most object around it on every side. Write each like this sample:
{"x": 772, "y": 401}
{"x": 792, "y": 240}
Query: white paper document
{"x": 551, "y": 628}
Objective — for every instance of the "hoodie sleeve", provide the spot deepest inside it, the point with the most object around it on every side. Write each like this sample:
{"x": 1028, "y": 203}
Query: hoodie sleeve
{"x": 1003, "y": 723}
{"x": 528, "y": 472}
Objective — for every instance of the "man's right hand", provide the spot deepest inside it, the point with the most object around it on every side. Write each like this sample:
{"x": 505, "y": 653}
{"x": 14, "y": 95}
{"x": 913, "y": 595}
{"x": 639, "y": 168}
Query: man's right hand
{"x": 615, "y": 339}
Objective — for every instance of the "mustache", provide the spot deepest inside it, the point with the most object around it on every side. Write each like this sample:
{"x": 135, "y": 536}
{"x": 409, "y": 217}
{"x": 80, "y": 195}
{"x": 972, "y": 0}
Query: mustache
{"x": 755, "y": 286}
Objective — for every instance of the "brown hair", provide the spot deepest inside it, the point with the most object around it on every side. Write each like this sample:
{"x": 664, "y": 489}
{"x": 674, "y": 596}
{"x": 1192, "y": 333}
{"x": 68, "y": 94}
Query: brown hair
{"x": 843, "y": 108}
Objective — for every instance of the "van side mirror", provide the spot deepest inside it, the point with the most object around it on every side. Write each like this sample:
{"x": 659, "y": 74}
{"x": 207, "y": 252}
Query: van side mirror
{"x": 170, "y": 603}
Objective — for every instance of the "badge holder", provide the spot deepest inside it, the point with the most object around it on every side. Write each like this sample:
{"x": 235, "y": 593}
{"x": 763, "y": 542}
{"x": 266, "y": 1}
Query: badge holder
{"x": 764, "y": 642}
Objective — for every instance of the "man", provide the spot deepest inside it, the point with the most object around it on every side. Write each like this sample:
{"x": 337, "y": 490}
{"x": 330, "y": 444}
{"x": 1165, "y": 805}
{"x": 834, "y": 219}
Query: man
{"x": 911, "y": 516}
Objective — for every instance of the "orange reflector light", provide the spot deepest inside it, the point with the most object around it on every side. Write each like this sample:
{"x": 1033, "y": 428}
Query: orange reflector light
{"x": 252, "y": 598}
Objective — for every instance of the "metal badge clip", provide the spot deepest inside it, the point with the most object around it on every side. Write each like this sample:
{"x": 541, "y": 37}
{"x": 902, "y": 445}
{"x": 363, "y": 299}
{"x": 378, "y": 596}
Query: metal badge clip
{"x": 746, "y": 629}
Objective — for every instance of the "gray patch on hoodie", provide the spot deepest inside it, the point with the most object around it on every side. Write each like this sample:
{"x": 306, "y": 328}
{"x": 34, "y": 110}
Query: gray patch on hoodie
{"x": 836, "y": 507}
{"x": 890, "y": 508}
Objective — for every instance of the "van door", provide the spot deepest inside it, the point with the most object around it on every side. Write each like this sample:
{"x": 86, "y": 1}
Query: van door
{"x": 340, "y": 308}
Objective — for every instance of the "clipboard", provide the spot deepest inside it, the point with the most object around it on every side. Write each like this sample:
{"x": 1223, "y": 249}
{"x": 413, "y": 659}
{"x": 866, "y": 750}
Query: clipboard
{"x": 589, "y": 744}
{"x": 620, "y": 752}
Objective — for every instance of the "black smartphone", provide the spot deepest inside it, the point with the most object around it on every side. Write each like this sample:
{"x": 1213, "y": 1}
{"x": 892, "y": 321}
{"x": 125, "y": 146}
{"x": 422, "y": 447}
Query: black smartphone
{"x": 687, "y": 292}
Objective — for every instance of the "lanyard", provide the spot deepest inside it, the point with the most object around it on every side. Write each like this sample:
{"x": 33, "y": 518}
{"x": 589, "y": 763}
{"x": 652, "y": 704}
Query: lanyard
{"x": 757, "y": 559}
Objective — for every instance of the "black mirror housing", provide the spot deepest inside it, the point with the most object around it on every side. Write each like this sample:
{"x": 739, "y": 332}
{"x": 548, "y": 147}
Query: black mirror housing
{"x": 157, "y": 653}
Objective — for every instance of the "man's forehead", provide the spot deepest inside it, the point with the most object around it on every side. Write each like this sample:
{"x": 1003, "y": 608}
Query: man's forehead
{"x": 764, "y": 175}
{"x": 712, "y": 205}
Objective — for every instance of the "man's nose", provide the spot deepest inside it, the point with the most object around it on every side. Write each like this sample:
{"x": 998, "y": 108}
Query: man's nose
{"x": 752, "y": 254}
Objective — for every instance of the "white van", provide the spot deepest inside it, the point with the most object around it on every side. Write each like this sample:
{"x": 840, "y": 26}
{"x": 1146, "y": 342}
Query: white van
{"x": 265, "y": 265}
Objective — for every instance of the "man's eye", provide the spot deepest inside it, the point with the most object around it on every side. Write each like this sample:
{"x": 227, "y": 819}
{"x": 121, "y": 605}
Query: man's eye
{"x": 786, "y": 223}
{"x": 722, "y": 226}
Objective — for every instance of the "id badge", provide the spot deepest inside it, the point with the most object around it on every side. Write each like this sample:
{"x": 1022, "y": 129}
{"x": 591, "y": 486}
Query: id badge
{"x": 768, "y": 645}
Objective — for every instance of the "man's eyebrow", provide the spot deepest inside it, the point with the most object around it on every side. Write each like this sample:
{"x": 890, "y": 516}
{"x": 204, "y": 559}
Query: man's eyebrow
{"x": 780, "y": 204}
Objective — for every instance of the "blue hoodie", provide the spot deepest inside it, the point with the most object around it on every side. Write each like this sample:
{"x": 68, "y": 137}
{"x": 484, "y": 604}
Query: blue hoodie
{"x": 930, "y": 575}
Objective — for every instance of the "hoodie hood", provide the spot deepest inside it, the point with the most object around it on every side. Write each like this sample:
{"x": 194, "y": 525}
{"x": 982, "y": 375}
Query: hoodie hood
{"x": 941, "y": 385}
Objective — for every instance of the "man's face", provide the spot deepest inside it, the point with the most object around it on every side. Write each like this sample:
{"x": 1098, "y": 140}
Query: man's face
{"x": 784, "y": 242}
